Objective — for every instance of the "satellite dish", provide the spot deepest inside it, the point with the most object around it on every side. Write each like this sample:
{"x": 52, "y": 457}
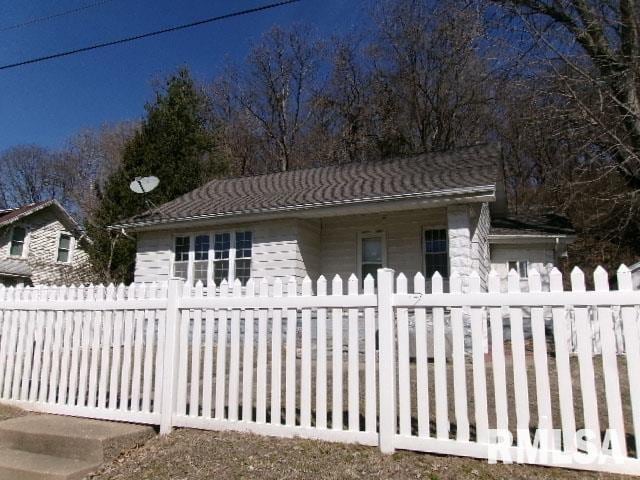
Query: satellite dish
{"x": 144, "y": 184}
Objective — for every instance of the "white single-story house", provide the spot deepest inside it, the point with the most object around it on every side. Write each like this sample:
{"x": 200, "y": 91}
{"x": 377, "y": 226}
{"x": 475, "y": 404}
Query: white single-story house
{"x": 39, "y": 245}
{"x": 440, "y": 212}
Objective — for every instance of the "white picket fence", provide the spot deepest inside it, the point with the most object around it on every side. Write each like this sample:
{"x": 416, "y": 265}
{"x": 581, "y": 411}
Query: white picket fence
{"x": 274, "y": 360}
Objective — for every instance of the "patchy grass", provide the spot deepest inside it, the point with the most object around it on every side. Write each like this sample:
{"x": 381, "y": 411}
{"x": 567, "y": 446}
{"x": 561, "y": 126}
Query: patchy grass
{"x": 7, "y": 412}
{"x": 189, "y": 454}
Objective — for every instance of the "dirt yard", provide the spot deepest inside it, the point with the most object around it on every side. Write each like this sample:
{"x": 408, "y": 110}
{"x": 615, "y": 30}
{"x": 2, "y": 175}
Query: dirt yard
{"x": 193, "y": 454}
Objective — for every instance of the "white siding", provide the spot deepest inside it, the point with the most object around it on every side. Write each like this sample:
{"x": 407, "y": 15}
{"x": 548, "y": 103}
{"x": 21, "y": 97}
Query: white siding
{"x": 275, "y": 250}
{"x": 43, "y": 230}
{"x": 153, "y": 257}
{"x": 403, "y": 232}
{"x": 540, "y": 257}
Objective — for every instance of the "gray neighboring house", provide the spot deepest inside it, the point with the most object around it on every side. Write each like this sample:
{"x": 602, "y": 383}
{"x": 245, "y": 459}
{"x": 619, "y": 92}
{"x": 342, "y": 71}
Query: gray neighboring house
{"x": 40, "y": 244}
{"x": 427, "y": 213}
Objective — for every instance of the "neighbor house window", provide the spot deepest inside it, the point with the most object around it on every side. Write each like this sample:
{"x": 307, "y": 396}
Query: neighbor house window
{"x": 181, "y": 258}
{"x": 64, "y": 248}
{"x": 520, "y": 266}
{"x": 371, "y": 255}
{"x": 17, "y": 241}
{"x": 243, "y": 256}
{"x": 201, "y": 259}
{"x": 436, "y": 254}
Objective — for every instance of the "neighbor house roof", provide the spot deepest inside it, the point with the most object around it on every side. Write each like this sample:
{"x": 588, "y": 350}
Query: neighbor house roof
{"x": 468, "y": 171}
{"x": 528, "y": 226}
{"x": 7, "y": 217}
{"x": 14, "y": 267}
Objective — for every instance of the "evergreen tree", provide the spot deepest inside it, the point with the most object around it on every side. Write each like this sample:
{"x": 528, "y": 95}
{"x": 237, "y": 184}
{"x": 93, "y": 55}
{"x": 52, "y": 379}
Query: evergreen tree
{"x": 176, "y": 143}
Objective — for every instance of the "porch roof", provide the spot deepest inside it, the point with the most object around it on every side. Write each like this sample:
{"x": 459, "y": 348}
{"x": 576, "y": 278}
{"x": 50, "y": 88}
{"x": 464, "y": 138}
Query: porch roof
{"x": 15, "y": 267}
{"x": 467, "y": 171}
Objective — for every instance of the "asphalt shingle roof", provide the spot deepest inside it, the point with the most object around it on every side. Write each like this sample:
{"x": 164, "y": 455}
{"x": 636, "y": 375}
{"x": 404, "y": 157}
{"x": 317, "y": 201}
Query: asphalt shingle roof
{"x": 7, "y": 216}
{"x": 466, "y": 168}
{"x": 549, "y": 224}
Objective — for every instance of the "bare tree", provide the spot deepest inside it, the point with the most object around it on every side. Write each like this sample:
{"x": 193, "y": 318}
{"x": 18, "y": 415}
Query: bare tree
{"x": 88, "y": 160}
{"x": 431, "y": 62}
{"x": 581, "y": 123}
{"x": 29, "y": 175}
{"x": 271, "y": 94}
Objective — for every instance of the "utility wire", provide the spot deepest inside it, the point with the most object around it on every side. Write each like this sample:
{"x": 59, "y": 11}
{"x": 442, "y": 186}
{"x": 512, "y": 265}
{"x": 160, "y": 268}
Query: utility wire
{"x": 146, "y": 35}
{"x": 26, "y": 23}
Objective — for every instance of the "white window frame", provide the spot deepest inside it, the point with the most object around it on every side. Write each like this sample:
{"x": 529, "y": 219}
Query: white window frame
{"x": 173, "y": 254}
{"x": 71, "y": 247}
{"x": 518, "y": 269}
{"x": 423, "y": 252}
{"x": 25, "y": 243}
{"x": 192, "y": 245}
{"x": 382, "y": 234}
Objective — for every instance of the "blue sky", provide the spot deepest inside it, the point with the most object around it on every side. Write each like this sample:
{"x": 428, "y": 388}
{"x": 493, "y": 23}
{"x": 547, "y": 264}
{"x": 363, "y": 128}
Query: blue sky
{"x": 47, "y": 102}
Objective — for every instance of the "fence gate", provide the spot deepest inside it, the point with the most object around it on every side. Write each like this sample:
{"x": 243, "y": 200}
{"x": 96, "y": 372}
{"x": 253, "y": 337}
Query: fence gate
{"x": 403, "y": 366}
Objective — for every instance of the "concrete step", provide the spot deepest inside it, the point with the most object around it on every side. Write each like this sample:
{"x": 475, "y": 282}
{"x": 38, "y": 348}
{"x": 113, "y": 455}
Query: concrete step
{"x": 93, "y": 441}
{"x": 21, "y": 465}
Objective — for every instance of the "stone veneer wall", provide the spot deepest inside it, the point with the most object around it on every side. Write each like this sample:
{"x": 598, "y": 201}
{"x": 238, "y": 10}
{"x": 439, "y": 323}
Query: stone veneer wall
{"x": 459, "y": 225}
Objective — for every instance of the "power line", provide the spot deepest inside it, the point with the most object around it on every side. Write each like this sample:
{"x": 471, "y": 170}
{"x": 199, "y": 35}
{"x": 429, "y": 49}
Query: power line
{"x": 26, "y": 23}
{"x": 148, "y": 34}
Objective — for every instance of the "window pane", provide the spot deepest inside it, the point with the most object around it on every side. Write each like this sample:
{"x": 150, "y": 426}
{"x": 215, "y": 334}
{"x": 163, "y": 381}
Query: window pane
{"x": 65, "y": 242}
{"x": 243, "y": 244}
{"x": 16, "y": 249}
{"x": 180, "y": 270}
{"x": 436, "y": 262}
{"x": 372, "y": 250}
{"x": 18, "y": 234}
{"x": 182, "y": 249}
{"x": 371, "y": 268}
{"x": 523, "y": 268}
{"x": 202, "y": 247}
{"x": 200, "y": 271}
{"x": 243, "y": 270}
{"x": 221, "y": 245}
{"x": 220, "y": 271}
{"x": 513, "y": 266}
{"x": 17, "y": 241}
{"x": 63, "y": 256}
{"x": 436, "y": 254}
{"x": 436, "y": 241}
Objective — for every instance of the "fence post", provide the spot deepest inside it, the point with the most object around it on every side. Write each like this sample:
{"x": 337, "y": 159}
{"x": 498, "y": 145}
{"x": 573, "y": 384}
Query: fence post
{"x": 170, "y": 355}
{"x": 386, "y": 360}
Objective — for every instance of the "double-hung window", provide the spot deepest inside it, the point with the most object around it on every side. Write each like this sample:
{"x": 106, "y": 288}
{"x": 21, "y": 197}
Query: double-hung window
{"x": 64, "y": 248}
{"x": 18, "y": 237}
{"x": 436, "y": 256}
{"x": 181, "y": 257}
{"x": 371, "y": 254}
{"x": 243, "y": 256}
{"x": 520, "y": 266}
{"x": 221, "y": 251}
{"x": 201, "y": 259}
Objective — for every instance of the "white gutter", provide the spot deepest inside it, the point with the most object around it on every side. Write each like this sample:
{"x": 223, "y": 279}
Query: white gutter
{"x": 484, "y": 189}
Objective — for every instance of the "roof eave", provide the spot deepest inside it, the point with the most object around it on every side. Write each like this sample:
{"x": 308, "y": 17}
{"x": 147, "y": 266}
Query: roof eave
{"x": 483, "y": 193}
{"x": 531, "y": 238}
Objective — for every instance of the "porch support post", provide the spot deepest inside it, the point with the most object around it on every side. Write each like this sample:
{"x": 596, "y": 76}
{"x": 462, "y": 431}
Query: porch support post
{"x": 386, "y": 360}
{"x": 459, "y": 232}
